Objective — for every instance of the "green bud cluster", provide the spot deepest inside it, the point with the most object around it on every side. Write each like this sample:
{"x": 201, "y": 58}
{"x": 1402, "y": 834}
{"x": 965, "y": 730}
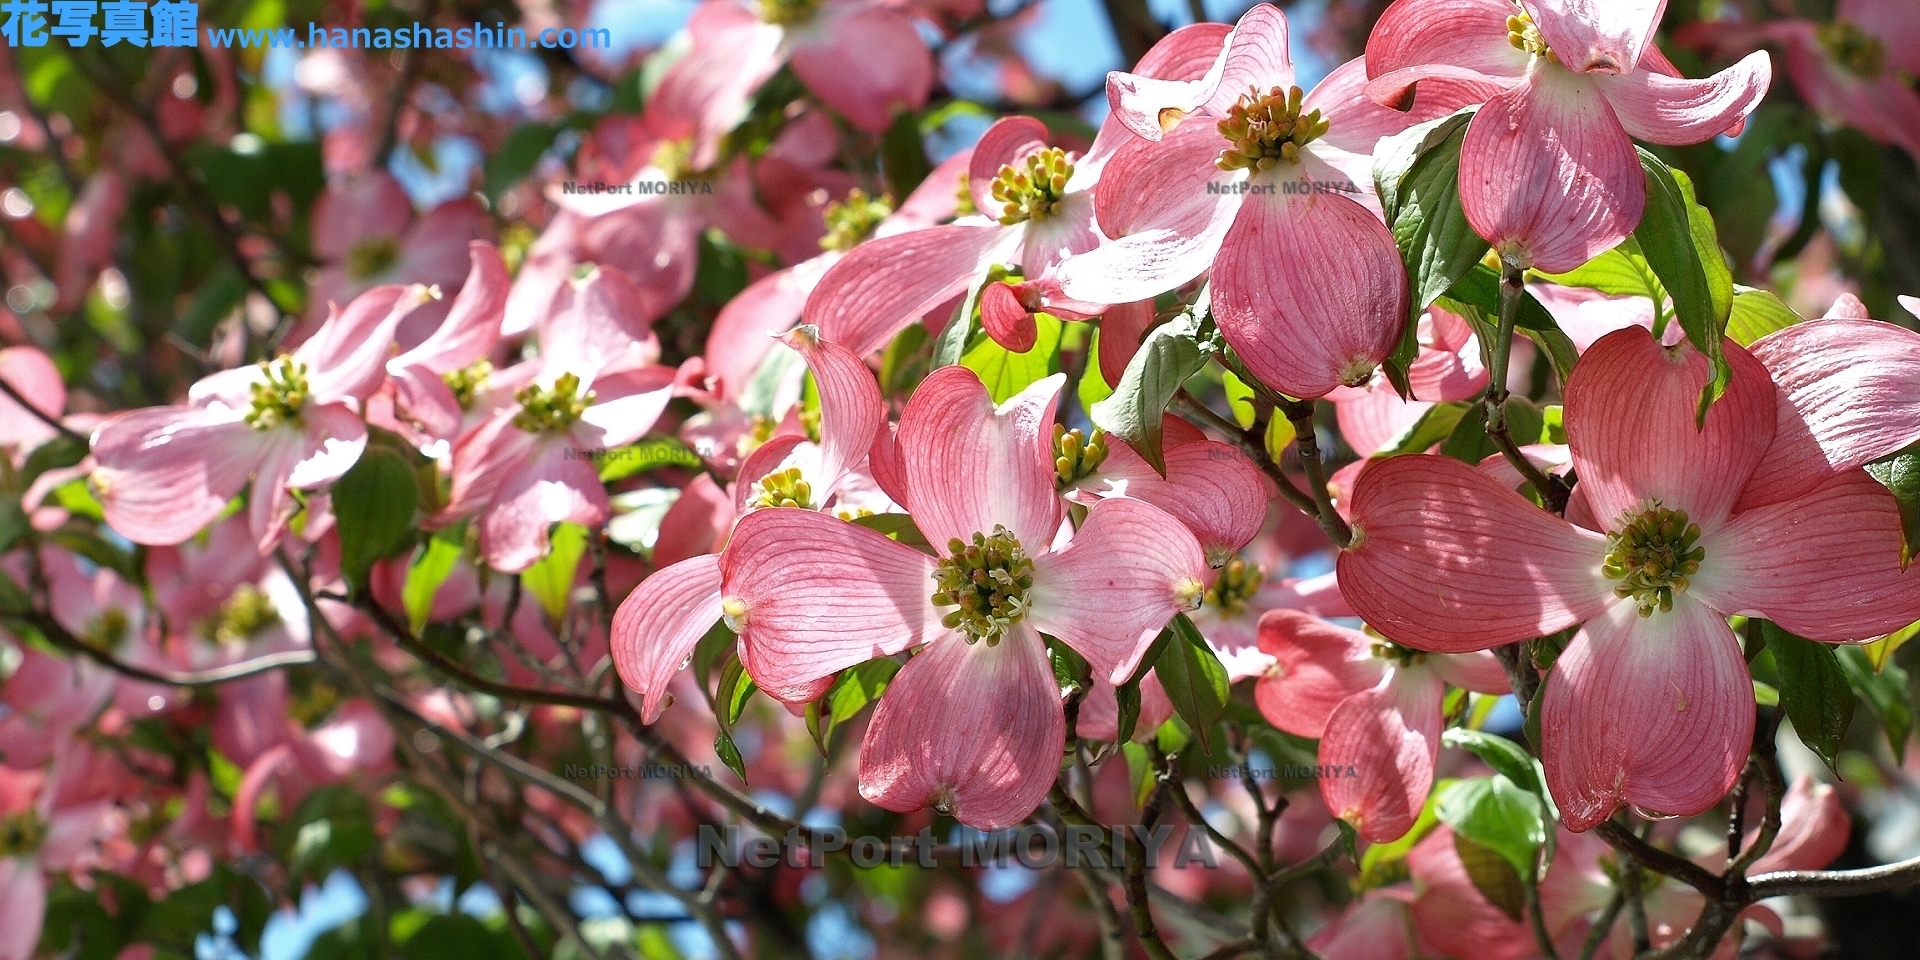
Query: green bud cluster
{"x": 244, "y": 615}
{"x": 1652, "y": 556}
{"x": 467, "y": 382}
{"x": 1234, "y": 586}
{"x": 1076, "y": 455}
{"x": 1863, "y": 54}
{"x": 280, "y": 396}
{"x": 1032, "y": 190}
{"x": 783, "y": 488}
{"x": 21, "y": 834}
{"x": 372, "y": 256}
{"x": 963, "y": 197}
{"x": 852, "y": 220}
{"x": 786, "y": 13}
{"x": 1265, "y": 130}
{"x": 552, "y": 409}
{"x": 987, "y": 580}
{"x": 1396, "y": 654}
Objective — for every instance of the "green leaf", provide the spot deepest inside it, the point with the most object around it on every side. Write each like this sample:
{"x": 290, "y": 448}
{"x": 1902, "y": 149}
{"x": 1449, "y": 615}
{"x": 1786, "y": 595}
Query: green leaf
{"x": 1620, "y": 272}
{"x": 1170, "y": 354}
{"x": 1677, "y": 239}
{"x": 1126, "y": 699}
{"x": 859, "y": 686}
{"x": 1434, "y": 426}
{"x": 1757, "y": 313}
{"x": 903, "y": 156}
{"x": 1497, "y": 814}
{"x": 373, "y": 510}
{"x": 1886, "y": 695}
{"x": 1093, "y": 386}
{"x": 101, "y": 551}
{"x": 1880, "y": 652}
{"x": 433, "y": 562}
{"x": 56, "y": 454}
{"x": 1193, "y": 677}
{"x": 550, "y": 580}
{"x": 332, "y": 827}
{"x": 736, "y": 688}
{"x": 517, "y": 155}
{"x": 1469, "y": 441}
{"x": 1417, "y": 174}
{"x": 1505, "y": 757}
{"x": 729, "y": 754}
{"x": 13, "y": 523}
{"x": 1900, "y": 474}
{"x": 1139, "y": 771}
{"x": 1239, "y": 399}
{"x": 1070, "y": 670}
{"x": 902, "y": 365}
{"x": 1813, "y": 689}
{"x": 1493, "y": 875}
{"x": 623, "y": 462}
{"x": 898, "y": 527}
{"x": 1006, "y": 373}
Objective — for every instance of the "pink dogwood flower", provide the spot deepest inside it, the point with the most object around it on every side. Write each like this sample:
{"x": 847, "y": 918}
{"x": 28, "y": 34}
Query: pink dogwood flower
{"x": 1855, "y": 69}
{"x": 1447, "y": 368}
{"x": 1374, "y": 706}
{"x": 972, "y": 725}
{"x": 593, "y": 388}
{"x": 864, "y": 59}
{"x": 1849, "y": 393}
{"x": 33, "y": 376}
{"x": 1033, "y": 211}
{"x": 657, "y": 626}
{"x": 1548, "y": 171}
{"x": 292, "y": 423}
{"x": 1270, "y": 188}
{"x": 424, "y": 376}
{"x": 1651, "y": 703}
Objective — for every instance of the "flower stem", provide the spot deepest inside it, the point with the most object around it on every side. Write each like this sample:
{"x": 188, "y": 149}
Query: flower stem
{"x": 1300, "y": 414}
{"x": 1553, "y": 491}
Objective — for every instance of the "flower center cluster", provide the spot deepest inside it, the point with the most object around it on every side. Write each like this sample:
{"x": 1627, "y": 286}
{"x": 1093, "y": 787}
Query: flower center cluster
{"x": 1524, "y": 35}
{"x": 988, "y": 581}
{"x": 1396, "y": 654}
{"x": 553, "y": 409}
{"x": 1032, "y": 190}
{"x": 786, "y": 13}
{"x": 279, "y": 398}
{"x": 244, "y": 615}
{"x": 372, "y": 256}
{"x": 674, "y": 158}
{"x": 467, "y": 382}
{"x": 108, "y": 629}
{"x": 1863, "y": 54}
{"x": 1264, "y": 130}
{"x": 1652, "y": 556}
{"x": 1235, "y": 585}
{"x": 783, "y": 488}
{"x": 20, "y": 834}
{"x": 963, "y": 197}
{"x": 1076, "y": 455}
{"x": 853, "y": 219}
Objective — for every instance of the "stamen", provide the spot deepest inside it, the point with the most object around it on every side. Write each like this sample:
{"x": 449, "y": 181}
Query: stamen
{"x": 1523, "y": 34}
{"x": 852, "y": 220}
{"x": 245, "y": 614}
{"x": 987, "y": 581}
{"x": 553, "y": 409}
{"x": 280, "y": 396}
{"x": 1266, "y": 130}
{"x": 467, "y": 382}
{"x": 1234, "y": 586}
{"x": 1861, "y": 53}
{"x": 1076, "y": 455}
{"x": 1652, "y": 555}
{"x": 1032, "y": 191}
{"x": 782, "y": 488}
{"x": 786, "y": 13}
